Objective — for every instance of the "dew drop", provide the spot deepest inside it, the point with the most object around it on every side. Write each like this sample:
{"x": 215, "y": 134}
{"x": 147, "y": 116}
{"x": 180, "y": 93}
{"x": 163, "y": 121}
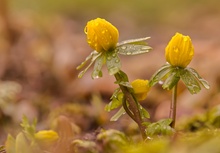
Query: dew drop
{"x": 128, "y": 53}
{"x": 161, "y": 82}
{"x": 96, "y": 74}
{"x": 176, "y": 50}
{"x": 185, "y": 39}
{"x": 96, "y": 77}
{"x": 191, "y": 53}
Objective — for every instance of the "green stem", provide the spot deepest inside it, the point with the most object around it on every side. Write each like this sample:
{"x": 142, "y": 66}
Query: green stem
{"x": 124, "y": 104}
{"x": 132, "y": 109}
{"x": 173, "y": 106}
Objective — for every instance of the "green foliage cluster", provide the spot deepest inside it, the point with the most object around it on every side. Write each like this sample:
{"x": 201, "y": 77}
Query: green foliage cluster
{"x": 207, "y": 120}
{"x": 171, "y": 75}
{"x": 197, "y": 140}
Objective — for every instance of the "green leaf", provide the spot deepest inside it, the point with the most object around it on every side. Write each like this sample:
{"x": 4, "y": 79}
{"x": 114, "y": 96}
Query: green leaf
{"x": 165, "y": 122}
{"x": 21, "y": 144}
{"x": 120, "y": 96}
{"x": 29, "y": 129}
{"x": 126, "y": 84}
{"x": 153, "y": 129}
{"x": 199, "y": 78}
{"x": 97, "y": 72}
{"x": 165, "y": 126}
{"x": 133, "y": 49}
{"x": 213, "y": 117}
{"x": 190, "y": 81}
{"x": 144, "y": 113}
{"x": 93, "y": 56}
{"x": 172, "y": 79}
{"x": 123, "y": 76}
{"x": 115, "y": 93}
{"x": 160, "y": 74}
{"x": 86, "y": 145}
{"x": 134, "y": 41}
{"x": 161, "y": 127}
{"x": 10, "y": 144}
{"x": 146, "y": 123}
{"x": 133, "y": 46}
{"x": 115, "y": 103}
{"x": 113, "y": 139}
{"x": 117, "y": 115}
{"x": 116, "y": 100}
{"x": 113, "y": 63}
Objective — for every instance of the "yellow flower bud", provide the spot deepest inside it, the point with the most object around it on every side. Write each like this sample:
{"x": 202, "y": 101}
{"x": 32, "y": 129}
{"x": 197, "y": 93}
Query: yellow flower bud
{"x": 46, "y": 138}
{"x": 141, "y": 88}
{"x": 101, "y": 35}
{"x": 179, "y": 51}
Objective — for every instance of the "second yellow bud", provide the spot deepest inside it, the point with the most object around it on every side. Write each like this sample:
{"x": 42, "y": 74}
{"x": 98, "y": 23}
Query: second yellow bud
{"x": 141, "y": 88}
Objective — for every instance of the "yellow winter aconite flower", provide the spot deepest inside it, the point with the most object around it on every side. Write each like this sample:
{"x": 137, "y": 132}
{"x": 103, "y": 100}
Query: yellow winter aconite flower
{"x": 46, "y": 137}
{"x": 179, "y": 51}
{"x": 141, "y": 88}
{"x": 101, "y": 35}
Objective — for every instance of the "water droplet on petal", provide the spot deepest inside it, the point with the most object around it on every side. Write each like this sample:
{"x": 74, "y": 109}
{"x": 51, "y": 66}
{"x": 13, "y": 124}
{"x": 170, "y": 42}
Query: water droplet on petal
{"x": 185, "y": 39}
{"x": 109, "y": 58}
{"x": 191, "y": 53}
{"x": 129, "y": 53}
{"x": 176, "y": 50}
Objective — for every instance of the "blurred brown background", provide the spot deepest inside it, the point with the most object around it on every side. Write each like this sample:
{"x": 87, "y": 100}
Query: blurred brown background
{"x": 42, "y": 43}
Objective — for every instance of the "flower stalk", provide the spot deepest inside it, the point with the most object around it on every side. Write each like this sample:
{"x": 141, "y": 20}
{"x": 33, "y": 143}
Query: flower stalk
{"x": 132, "y": 108}
{"x": 178, "y": 53}
{"x": 173, "y": 106}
